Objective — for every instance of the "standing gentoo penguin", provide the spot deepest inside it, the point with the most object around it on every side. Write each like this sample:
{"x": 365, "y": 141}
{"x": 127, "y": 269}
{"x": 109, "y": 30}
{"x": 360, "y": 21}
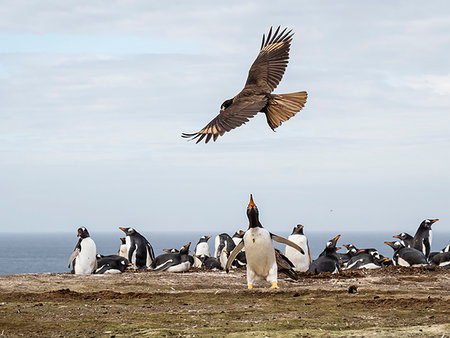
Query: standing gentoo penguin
{"x": 237, "y": 237}
{"x": 202, "y": 248}
{"x": 328, "y": 260}
{"x": 84, "y": 256}
{"x": 259, "y": 250}
{"x": 301, "y": 262}
{"x": 111, "y": 264}
{"x": 406, "y": 256}
{"x": 223, "y": 243}
{"x": 406, "y": 239}
{"x": 423, "y": 236}
{"x": 140, "y": 252}
{"x": 123, "y": 252}
{"x": 173, "y": 262}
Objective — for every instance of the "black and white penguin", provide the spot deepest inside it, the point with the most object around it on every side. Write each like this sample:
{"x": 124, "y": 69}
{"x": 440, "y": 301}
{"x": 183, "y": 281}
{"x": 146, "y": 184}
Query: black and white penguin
{"x": 140, "y": 252}
{"x": 173, "y": 250}
{"x": 240, "y": 260}
{"x": 123, "y": 252}
{"x": 406, "y": 256}
{"x": 441, "y": 259}
{"x": 366, "y": 259}
{"x": 84, "y": 256}
{"x": 328, "y": 261}
{"x": 406, "y": 239}
{"x": 301, "y": 262}
{"x": 211, "y": 263}
{"x": 111, "y": 264}
{"x": 423, "y": 237}
{"x": 223, "y": 242}
{"x": 345, "y": 257}
{"x": 202, "y": 248}
{"x": 259, "y": 250}
{"x": 285, "y": 266}
{"x": 237, "y": 237}
{"x": 173, "y": 262}
{"x": 432, "y": 254}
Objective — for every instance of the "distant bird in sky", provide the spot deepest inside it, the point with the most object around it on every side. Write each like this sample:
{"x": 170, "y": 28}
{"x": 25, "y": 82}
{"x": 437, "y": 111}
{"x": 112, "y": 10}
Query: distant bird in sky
{"x": 263, "y": 77}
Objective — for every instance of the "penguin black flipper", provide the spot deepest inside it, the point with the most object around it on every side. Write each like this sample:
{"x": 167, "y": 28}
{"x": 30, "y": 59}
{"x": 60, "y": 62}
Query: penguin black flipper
{"x": 150, "y": 250}
{"x": 283, "y": 240}
{"x": 164, "y": 266}
{"x": 73, "y": 256}
{"x": 233, "y": 255}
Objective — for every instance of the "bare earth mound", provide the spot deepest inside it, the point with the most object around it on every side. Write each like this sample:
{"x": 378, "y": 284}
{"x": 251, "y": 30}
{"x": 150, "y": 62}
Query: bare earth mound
{"x": 390, "y": 302}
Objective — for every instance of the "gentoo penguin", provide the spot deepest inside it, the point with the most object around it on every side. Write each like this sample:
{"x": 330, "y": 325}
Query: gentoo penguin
{"x": 432, "y": 254}
{"x": 173, "y": 262}
{"x": 237, "y": 237}
{"x": 259, "y": 250}
{"x": 442, "y": 259}
{"x": 140, "y": 252}
{"x": 202, "y": 248}
{"x": 366, "y": 259}
{"x": 301, "y": 262}
{"x": 173, "y": 250}
{"x": 123, "y": 252}
{"x": 284, "y": 265}
{"x": 345, "y": 257}
{"x": 406, "y": 256}
{"x": 211, "y": 263}
{"x": 406, "y": 239}
{"x": 84, "y": 256}
{"x": 223, "y": 242}
{"x": 239, "y": 262}
{"x": 328, "y": 260}
{"x": 111, "y": 264}
{"x": 423, "y": 237}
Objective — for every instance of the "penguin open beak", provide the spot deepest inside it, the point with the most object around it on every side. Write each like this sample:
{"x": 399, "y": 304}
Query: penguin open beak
{"x": 251, "y": 204}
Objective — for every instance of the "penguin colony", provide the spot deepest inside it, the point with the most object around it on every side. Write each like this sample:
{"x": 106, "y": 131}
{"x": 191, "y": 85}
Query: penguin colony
{"x": 253, "y": 250}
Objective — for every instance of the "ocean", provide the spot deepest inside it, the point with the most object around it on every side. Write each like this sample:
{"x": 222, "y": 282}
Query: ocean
{"x": 49, "y": 252}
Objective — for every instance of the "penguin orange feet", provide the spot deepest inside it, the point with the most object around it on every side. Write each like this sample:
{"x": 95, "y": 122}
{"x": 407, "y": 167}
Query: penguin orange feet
{"x": 274, "y": 285}
{"x": 250, "y": 286}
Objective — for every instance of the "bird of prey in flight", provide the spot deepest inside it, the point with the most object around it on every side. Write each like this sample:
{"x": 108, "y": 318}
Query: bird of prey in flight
{"x": 263, "y": 77}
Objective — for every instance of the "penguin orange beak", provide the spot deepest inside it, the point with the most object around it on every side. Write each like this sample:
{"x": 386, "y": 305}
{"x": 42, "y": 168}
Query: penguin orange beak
{"x": 165, "y": 250}
{"x": 388, "y": 243}
{"x": 336, "y": 238}
{"x": 188, "y": 245}
{"x": 338, "y": 248}
{"x": 363, "y": 250}
{"x": 396, "y": 236}
{"x": 346, "y": 245}
{"x": 79, "y": 234}
{"x": 208, "y": 237}
{"x": 251, "y": 204}
{"x": 123, "y": 229}
{"x": 434, "y": 220}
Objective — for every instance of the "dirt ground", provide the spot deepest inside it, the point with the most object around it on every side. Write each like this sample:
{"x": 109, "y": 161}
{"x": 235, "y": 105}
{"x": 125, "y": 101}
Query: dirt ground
{"x": 389, "y": 302}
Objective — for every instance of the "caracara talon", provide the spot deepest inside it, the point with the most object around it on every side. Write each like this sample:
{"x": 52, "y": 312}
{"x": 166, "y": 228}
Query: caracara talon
{"x": 274, "y": 285}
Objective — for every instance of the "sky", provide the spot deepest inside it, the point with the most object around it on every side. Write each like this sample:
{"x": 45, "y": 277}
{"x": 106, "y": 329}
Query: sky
{"x": 94, "y": 96}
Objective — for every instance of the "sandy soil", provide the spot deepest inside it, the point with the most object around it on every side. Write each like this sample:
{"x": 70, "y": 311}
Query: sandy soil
{"x": 389, "y": 302}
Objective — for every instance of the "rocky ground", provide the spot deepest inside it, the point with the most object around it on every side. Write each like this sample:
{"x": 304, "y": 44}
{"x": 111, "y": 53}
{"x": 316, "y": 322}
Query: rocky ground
{"x": 390, "y": 302}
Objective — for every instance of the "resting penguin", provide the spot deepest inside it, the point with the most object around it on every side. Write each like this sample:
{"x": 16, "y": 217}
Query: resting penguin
{"x": 140, "y": 252}
{"x": 423, "y": 236}
{"x": 259, "y": 250}
{"x": 406, "y": 239}
{"x": 366, "y": 259}
{"x": 209, "y": 262}
{"x": 173, "y": 250}
{"x": 173, "y": 262}
{"x": 239, "y": 262}
{"x": 223, "y": 242}
{"x": 406, "y": 256}
{"x": 442, "y": 259}
{"x": 123, "y": 252}
{"x": 84, "y": 256}
{"x": 328, "y": 260}
{"x": 301, "y": 262}
{"x": 432, "y": 254}
{"x": 344, "y": 258}
{"x": 111, "y": 264}
{"x": 202, "y": 248}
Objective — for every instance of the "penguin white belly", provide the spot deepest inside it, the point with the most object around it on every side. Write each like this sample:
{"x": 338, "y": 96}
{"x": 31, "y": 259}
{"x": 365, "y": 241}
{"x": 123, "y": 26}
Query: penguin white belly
{"x": 300, "y": 261}
{"x": 201, "y": 249}
{"x": 402, "y": 262}
{"x": 123, "y": 252}
{"x": 112, "y": 271}
{"x": 223, "y": 259}
{"x": 260, "y": 255}
{"x": 370, "y": 266}
{"x": 182, "y": 267}
{"x": 86, "y": 259}
{"x": 216, "y": 246}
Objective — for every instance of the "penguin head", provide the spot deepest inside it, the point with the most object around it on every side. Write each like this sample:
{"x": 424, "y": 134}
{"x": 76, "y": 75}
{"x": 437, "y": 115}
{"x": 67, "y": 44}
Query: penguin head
{"x": 298, "y": 230}
{"x": 427, "y": 223}
{"x": 403, "y": 236}
{"x": 202, "y": 258}
{"x": 332, "y": 242}
{"x": 128, "y": 231}
{"x": 253, "y": 214}
{"x": 395, "y": 245}
{"x": 204, "y": 239}
{"x": 173, "y": 250}
{"x": 122, "y": 239}
{"x": 185, "y": 249}
{"x": 83, "y": 232}
{"x": 351, "y": 249}
{"x": 239, "y": 234}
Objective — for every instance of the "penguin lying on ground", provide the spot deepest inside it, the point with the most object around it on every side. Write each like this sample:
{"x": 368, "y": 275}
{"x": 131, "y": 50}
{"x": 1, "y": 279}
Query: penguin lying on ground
{"x": 442, "y": 259}
{"x": 223, "y": 242}
{"x": 301, "y": 262}
{"x": 173, "y": 262}
{"x": 211, "y": 263}
{"x": 328, "y": 260}
{"x": 432, "y": 254}
{"x": 173, "y": 250}
{"x": 259, "y": 250}
{"x": 84, "y": 256}
{"x": 284, "y": 265}
{"x": 239, "y": 262}
{"x": 423, "y": 237}
{"x": 111, "y": 264}
{"x": 345, "y": 257}
{"x": 123, "y": 252}
{"x": 202, "y": 248}
{"x": 406, "y": 256}
{"x": 140, "y": 252}
{"x": 406, "y": 239}
{"x": 366, "y": 259}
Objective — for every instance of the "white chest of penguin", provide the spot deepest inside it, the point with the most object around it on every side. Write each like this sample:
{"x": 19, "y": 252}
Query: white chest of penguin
{"x": 86, "y": 259}
{"x": 259, "y": 250}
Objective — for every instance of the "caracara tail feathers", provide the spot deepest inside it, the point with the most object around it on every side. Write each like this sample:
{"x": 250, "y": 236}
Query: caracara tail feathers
{"x": 283, "y": 106}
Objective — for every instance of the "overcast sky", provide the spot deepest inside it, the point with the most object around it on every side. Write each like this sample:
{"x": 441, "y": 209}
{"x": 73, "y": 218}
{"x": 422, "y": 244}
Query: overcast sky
{"x": 94, "y": 96}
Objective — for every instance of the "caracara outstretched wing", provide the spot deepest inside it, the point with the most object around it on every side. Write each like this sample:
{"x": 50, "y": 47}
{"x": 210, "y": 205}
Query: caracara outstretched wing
{"x": 268, "y": 69}
{"x": 234, "y": 116}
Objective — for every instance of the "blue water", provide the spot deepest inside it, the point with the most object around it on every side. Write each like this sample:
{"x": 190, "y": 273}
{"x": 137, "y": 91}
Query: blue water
{"x": 39, "y": 253}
